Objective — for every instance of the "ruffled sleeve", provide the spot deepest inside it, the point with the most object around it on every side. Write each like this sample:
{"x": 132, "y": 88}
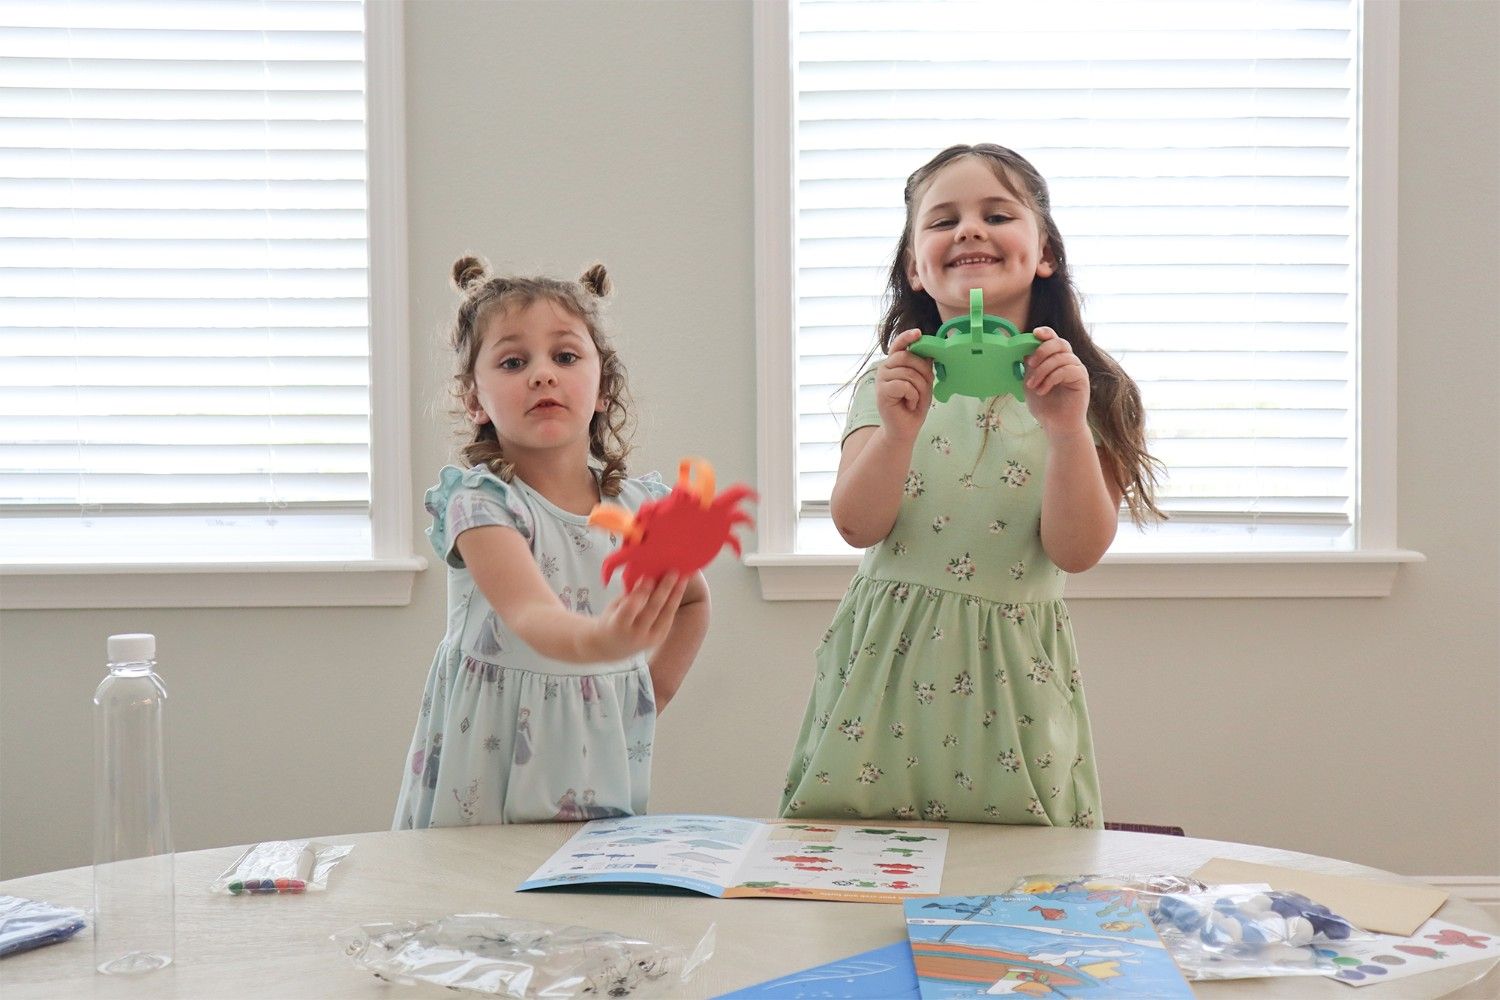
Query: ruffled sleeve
{"x": 655, "y": 489}
{"x": 472, "y": 498}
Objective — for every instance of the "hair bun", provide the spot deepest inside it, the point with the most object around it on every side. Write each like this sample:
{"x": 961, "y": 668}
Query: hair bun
{"x": 468, "y": 272}
{"x": 596, "y": 280}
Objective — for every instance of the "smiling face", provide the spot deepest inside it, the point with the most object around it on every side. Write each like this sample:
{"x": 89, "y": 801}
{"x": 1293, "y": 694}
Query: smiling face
{"x": 970, "y": 230}
{"x": 536, "y": 379}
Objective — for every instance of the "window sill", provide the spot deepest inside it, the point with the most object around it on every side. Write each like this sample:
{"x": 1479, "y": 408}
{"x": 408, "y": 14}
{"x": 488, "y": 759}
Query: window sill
{"x": 347, "y": 583}
{"x": 1366, "y": 573}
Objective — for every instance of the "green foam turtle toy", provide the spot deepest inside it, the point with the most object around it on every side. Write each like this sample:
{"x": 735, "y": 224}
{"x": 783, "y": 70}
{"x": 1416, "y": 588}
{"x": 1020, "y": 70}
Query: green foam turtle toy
{"x": 989, "y": 361}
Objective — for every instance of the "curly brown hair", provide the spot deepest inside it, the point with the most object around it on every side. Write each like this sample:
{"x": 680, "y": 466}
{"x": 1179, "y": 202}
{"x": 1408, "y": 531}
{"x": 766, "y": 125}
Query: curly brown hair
{"x": 484, "y": 294}
{"x": 1115, "y": 409}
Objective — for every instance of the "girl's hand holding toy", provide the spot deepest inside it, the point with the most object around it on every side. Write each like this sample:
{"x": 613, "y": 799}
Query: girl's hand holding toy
{"x": 1057, "y": 385}
{"x": 903, "y": 388}
{"x": 637, "y": 620}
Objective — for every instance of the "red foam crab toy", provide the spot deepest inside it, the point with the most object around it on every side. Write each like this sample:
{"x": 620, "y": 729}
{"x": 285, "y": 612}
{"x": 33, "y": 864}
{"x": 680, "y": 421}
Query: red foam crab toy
{"x": 680, "y": 533}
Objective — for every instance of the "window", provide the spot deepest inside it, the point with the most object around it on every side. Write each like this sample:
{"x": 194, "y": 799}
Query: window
{"x": 202, "y": 348}
{"x": 1221, "y": 173}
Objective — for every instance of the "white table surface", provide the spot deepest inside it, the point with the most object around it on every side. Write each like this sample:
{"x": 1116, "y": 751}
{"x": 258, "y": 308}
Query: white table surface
{"x": 278, "y": 946}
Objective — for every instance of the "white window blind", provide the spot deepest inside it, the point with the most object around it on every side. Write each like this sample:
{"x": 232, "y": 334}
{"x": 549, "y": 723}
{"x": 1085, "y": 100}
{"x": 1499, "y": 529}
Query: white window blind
{"x": 1202, "y": 159}
{"x": 184, "y": 324}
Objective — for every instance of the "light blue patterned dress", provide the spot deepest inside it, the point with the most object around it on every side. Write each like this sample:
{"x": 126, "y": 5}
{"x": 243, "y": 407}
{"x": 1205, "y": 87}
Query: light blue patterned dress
{"x": 505, "y": 734}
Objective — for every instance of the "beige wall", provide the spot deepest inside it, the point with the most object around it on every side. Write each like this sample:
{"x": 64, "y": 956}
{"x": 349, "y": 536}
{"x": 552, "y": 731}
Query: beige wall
{"x": 547, "y": 135}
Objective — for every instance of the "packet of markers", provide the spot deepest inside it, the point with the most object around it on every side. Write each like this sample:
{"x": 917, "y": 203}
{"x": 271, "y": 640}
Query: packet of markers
{"x": 281, "y": 866}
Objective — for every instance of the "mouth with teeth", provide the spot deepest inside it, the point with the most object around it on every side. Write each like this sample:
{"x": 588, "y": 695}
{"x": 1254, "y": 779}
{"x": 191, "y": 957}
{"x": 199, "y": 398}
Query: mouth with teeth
{"x": 973, "y": 260}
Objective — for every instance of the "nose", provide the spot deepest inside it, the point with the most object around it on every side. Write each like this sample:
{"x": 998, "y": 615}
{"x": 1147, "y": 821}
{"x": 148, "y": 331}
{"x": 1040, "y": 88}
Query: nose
{"x": 969, "y": 227}
{"x": 543, "y": 374}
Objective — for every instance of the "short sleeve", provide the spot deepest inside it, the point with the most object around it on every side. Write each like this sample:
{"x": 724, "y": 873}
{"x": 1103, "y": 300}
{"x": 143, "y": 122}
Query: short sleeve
{"x": 654, "y": 487}
{"x": 863, "y": 410}
{"x": 473, "y": 498}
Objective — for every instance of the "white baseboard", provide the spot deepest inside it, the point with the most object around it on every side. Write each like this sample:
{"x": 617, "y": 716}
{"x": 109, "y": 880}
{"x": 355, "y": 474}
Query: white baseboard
{"x": 1482, "y": 890}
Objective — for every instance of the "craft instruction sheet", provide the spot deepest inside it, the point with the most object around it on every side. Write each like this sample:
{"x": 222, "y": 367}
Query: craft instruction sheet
{"x": 728, "y": 856}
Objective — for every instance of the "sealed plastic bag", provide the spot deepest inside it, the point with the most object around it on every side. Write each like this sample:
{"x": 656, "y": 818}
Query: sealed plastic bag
{"x": 522, "y": 959}
{"x": 1248, "y": 931}
{"x": 281, "y": 866}
{"x": 27, "y": 923}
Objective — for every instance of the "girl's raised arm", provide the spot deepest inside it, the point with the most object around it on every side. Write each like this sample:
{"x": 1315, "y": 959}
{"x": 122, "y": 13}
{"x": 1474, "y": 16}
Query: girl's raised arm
{"x": 501, "y": 564}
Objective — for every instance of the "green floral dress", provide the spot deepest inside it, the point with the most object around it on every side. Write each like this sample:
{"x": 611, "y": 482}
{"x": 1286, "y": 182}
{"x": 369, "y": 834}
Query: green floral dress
{"x": 948, "y": 684}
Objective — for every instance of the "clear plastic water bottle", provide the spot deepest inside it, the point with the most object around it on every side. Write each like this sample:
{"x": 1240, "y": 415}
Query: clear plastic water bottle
{"x": 134, "y": 928}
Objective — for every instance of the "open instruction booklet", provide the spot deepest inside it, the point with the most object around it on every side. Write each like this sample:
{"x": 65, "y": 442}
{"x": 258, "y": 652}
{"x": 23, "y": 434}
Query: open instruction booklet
{"x": 727, "y": 856}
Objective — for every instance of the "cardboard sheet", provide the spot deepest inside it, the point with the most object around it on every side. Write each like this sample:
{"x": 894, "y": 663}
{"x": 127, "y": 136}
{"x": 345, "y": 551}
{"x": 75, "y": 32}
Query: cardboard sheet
{"x": 1385, "y": 907}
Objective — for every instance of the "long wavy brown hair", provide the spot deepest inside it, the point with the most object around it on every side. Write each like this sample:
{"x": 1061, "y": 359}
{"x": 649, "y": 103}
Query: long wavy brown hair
{"x": 483, "y": 296}
{"x": 1115, "y": 410}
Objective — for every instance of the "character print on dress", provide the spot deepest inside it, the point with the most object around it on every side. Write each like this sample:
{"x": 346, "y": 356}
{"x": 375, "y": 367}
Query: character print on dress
{"x": 523, "y": 737}
{"x": 584, "y": 604}
{"x": 468, "y": 802}
{"x": 643, "y": 704}
{"x": 567, "y": 808}
{"x": 487, "y": 642}
{"x": 592, "y": 810}
{"x": 580, "y": 538}
{"x": 590, "y": 692}
{"x": 567, "y": 598}
{"x": 430, "y": 773}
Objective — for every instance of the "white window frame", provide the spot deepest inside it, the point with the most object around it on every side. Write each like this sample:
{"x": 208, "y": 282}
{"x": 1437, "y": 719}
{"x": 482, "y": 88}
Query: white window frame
{"x": 386, "y": 577}
{"x": 1367, "y": 570}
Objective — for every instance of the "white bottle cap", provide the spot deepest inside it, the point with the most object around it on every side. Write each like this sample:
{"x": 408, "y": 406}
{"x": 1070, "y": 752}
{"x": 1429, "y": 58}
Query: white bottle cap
{"x": 132, "y": 647}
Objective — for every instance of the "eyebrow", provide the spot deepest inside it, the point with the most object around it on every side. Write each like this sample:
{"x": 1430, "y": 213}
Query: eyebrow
{"x": 947, "y": 206}
{"x": 557, "y": 334}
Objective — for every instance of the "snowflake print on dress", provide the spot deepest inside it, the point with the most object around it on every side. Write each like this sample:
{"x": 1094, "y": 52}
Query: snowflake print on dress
{"x": 1009, "y": 761}
{"x": 853, "y": 729}
{"x": 962, "y": 567}
{"x": 1018, "y": 570}
{"x": 1035, "y": 807}
{"x": 869, "y": 774}
{"x": 915, "y": 485}
{"x": 997, "y": 526}
{"x": 639, "y": 750}
{"x": 898, "y": 730}
{"x": 940, "y": 522}
{"x": 964, "y": 781}
{"x": 549, "y": 567}
{"x": 1040, "y": 672}
{"x": 1044, "y": 761}
{"x": 924, "y": 692}
{"x": 1016, "y": 475}
{"x": 463, "y": 726}
{"x": 962, "y": 684}
{"x": 941, "y": 445}
{"x": 935, "y": 810}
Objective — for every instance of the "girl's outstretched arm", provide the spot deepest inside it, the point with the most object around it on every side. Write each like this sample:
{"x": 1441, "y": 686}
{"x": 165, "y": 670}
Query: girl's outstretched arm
{"x": 501, "y": 564}
{"x": 670, "y": 662}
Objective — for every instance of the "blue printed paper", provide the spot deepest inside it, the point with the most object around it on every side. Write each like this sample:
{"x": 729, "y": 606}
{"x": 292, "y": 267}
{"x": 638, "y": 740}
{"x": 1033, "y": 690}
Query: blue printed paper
{"x": 880, "y": 974}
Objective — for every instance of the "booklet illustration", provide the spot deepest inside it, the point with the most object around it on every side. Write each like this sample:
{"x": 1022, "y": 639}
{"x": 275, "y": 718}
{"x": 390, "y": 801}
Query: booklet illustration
{"x": 729, "y": 857}
{"x": 879, "y": 974}
{"x": 1028, "y": 947}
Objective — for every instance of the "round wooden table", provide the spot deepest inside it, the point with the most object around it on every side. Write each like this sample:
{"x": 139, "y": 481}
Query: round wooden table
{"x": 278, "y": 946}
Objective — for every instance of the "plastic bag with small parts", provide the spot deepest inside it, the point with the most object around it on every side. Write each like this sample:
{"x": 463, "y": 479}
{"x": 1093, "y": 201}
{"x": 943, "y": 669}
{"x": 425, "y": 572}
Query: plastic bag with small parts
{"x": 522, "y": 959}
